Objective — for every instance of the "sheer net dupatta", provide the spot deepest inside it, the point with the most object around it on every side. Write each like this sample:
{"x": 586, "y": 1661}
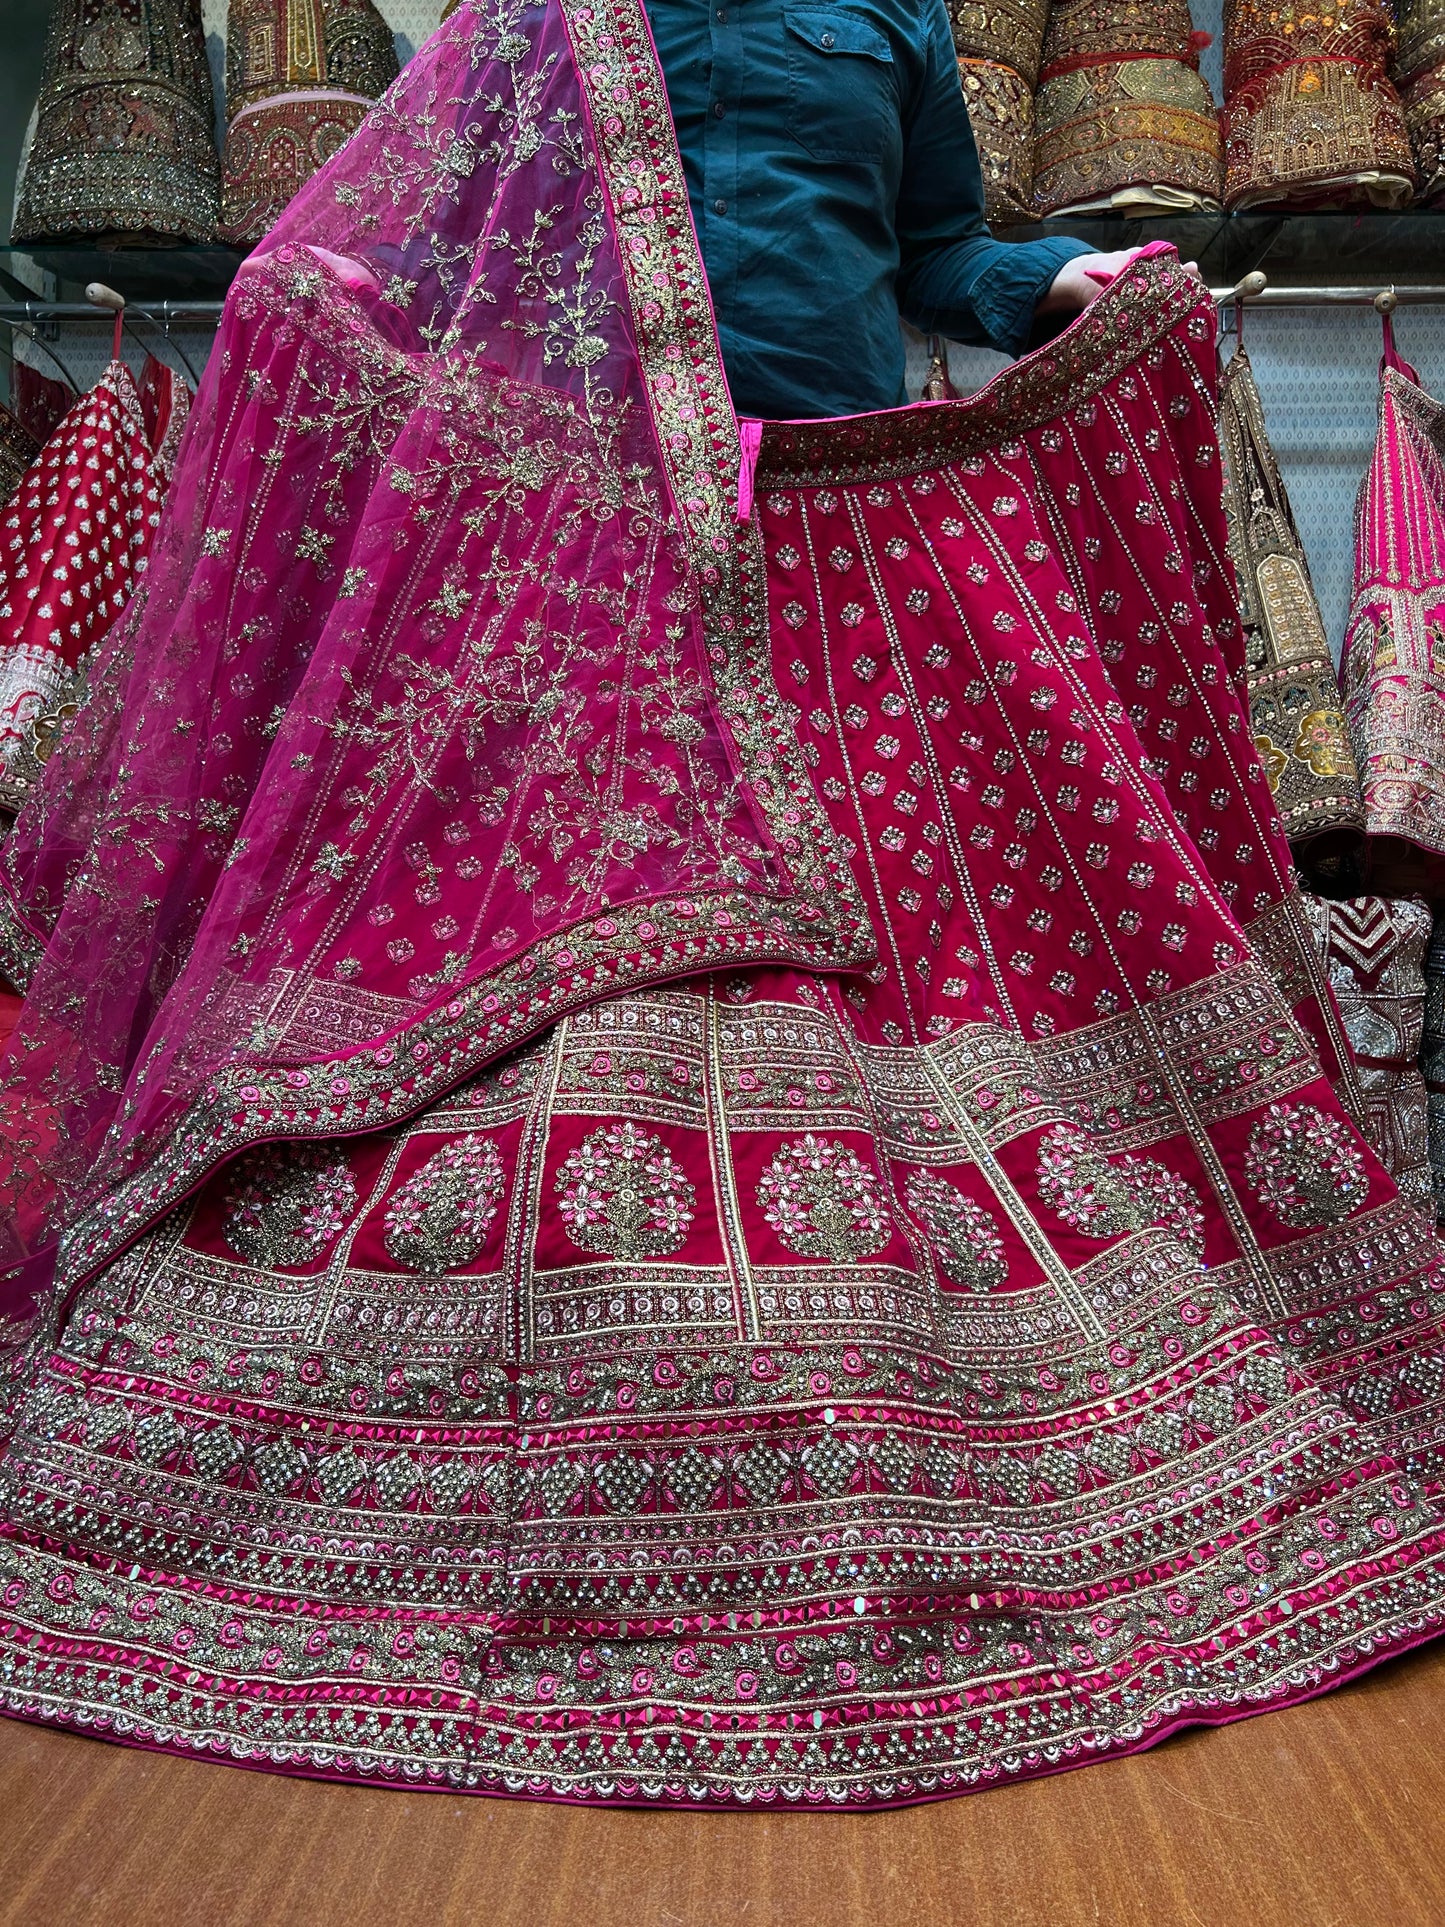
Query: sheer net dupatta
{"x": 446, "y": 707}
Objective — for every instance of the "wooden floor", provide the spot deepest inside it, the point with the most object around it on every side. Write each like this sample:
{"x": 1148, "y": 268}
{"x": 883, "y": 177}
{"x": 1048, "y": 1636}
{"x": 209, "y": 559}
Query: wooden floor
{"x": 1332, "y": 1815}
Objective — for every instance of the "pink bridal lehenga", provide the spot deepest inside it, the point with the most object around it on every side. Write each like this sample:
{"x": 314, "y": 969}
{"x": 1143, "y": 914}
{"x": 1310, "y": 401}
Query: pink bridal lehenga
{"x": 664, "y": 1151}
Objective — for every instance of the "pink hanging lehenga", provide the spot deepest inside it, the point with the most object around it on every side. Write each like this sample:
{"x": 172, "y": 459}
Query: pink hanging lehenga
{"x": 667, "y": 1155}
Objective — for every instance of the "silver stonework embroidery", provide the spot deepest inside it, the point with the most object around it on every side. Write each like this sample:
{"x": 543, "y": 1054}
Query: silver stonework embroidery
{"x": 1304, "y": 1166}
{"x": 438, "y": 1219}
{"x": 823, "y": 1202}
{"x": 622, "y": 1192}
{"x": 287, "y": 1202}
{"x": 1105, "y": 1200}
{"x": 965, "y": 1238}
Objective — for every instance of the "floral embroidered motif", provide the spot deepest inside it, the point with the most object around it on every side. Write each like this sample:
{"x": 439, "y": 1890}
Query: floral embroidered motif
{"x": 287, "y": 1202}
{"x": 439, "y": 1217}
{"x": 964, "y": 1236}
{"x": 1274, "y": 760}
{"x": 1304, "y": 1166}
{"x": 1105, "y": 1200}
{"x": 823, "y": 1201}
{"x": 623, "y": 1192}
{"x": 1323, "y": 744}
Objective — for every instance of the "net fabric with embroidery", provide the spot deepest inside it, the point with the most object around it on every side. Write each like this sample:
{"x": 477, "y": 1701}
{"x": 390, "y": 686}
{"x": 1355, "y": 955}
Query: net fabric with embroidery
{"x": 445, "y": 705}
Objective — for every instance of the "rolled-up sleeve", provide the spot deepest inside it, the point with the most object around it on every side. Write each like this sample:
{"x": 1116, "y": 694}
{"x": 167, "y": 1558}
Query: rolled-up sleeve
{"x": 953, "y": 277}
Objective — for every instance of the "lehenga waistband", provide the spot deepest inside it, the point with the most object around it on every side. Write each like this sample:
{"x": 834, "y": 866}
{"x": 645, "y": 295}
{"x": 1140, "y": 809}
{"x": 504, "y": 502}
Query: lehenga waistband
{"x": 1128, "y": 317}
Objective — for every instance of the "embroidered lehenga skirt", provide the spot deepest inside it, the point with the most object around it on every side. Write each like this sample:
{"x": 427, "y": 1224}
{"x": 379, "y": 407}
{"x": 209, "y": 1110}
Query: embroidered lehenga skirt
{"x": 826, "y": 1384}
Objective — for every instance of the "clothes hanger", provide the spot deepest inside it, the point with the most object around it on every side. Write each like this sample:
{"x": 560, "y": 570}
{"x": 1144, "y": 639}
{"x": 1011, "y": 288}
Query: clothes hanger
{"x": 1386, "y": 302}
{"x": 174, "y": 346}
{"x": 101, "y": 296}
{"x": 938, "y": 385}
{"x": 1254, "y": 283}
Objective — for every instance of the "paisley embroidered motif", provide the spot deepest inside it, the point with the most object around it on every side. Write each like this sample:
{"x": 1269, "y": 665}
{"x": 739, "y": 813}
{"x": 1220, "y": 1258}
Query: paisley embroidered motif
{"x": 1106, "y": 1200}
{"x": 823, "y": 1202}
{"x": 439, "y": 1217}
{"x": 1304, "y": 1167}
{"x": 964, "y": 1236}
{"x": 287, "y": 1202}
{"x": 622, "y": 1192}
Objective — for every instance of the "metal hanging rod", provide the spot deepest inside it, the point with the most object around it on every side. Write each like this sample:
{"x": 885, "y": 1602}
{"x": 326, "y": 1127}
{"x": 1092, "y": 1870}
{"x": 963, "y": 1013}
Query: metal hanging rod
{"x": 1257, "y": 292}
{"x": 166, "y": 312}
{"x": 1253, "y": 289}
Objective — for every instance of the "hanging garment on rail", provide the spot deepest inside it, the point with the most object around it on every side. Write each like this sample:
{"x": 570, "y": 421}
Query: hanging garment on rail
{"x": 1123, "y": 119}
{"x": 165, "y": 403}
{"x": 1311, "y": 117}
{"x": 999, "y": 44}
{"x": 1374, "y": 953}
{"x": 41, "y": 402}
{"x": 1432, "y": 1055}
{"x": 17, "y": 451}
{"x": 1296, "y": 710}
{"x": 689, "y": 1135}
{"x": 301, "y": 76}
{"x": 124, "y": 136}
{"x": 1420, "y": 76}
{"x": 72, "y": 541}
{"x": 1392, "y": 669}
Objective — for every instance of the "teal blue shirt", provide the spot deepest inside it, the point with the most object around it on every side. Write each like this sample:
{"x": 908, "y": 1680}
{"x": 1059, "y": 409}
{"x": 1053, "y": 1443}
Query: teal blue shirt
{"x": 835, "y": 185}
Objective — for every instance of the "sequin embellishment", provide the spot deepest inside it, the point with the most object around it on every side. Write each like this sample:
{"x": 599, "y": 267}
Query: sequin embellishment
{"x": 965, "y": 1237}
{"x": 439, "y": 1217}
{"x": 1304, "y": 1167}
{"x": 1105, "y": 1200}
{"x": 287, "y": 1202}
{"x": 823, "y": 1202}
{"x": 623, "y": 1192}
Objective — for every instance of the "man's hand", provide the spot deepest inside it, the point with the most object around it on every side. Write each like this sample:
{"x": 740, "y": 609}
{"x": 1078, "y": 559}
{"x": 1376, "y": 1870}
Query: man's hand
{"x": 1084, "y": 279}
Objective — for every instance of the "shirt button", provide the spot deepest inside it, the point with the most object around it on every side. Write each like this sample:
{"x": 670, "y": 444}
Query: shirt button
{"x": 718, "y": 110}
{"x": 719, "y": 207}
{"x": 827, "y": 42}
{"x": 722, "y": 15}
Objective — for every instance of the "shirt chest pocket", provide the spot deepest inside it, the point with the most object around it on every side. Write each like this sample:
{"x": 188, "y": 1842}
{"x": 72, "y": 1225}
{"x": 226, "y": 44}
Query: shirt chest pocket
{"x": 842, "y": 97}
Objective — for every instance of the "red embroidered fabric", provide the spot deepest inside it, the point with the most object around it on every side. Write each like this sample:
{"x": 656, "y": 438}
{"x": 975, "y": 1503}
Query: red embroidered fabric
{"x": 778, "y": 1384}
{"x": 41, "y": 402}
{"x": 73, "y": 540}
{"x": 165, "y": 405}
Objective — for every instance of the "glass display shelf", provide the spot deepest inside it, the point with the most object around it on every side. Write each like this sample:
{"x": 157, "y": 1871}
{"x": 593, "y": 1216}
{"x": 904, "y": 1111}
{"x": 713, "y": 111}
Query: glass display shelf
{"x": 140, "y": 273}
{"x": 1366, "y": 248}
